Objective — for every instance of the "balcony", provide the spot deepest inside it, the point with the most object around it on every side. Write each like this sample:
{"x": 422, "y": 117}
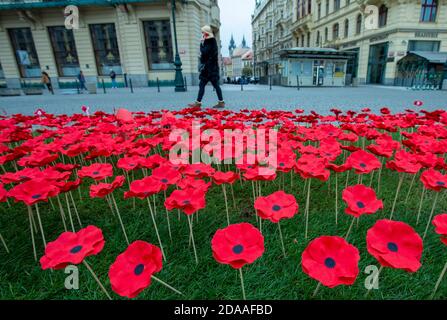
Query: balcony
{"x": 303, "y": 24}
{"x": 36, "y": 4}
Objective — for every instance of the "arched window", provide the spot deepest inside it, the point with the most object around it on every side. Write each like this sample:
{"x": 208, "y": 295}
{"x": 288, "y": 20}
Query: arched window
{"x": 346, "y": 28}
{"x": 358, "y": 25}
{"x": 326, "y": 34}
{"x": 383, "y": 15}
{"x": 336, "y": 5}
{"x": 429, "y": 10}
{"x": 335, "y": 31}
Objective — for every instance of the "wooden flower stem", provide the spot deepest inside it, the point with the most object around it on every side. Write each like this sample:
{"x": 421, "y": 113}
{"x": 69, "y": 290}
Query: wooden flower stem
{"x": 156, "y": 228}
{"x": 350, "y": 228}
{"x": 336, "y": 199}
{"x": 40, "y": 226}
{"x": 411, "y": 187}
{"x": 420, "y": 205}
{"x": 316, "y": 290}
{"x": 282, "y": 240}
{"x": 119, "y": 217}
{"x": 30, "y": 217}
{"x": 307, "y": 209}
{"x": 4, "y": 243}
{"x": 192, "y": 239}
{"x": 76, "y": 210}
{"x": 62, "y": 212}
{"x": 96, "y": 279}
{"x": 242, "y": 284}
{"x": 401, "y": 180}
{"x": 226, "y": 203}
{"x": 167, "y": 285}
{"x": 431, "y": 215}
{"x": 69, "y": 213}
{"x": 438, "y": 283}
{"x": 167, "y": 218}
{"x": 232, "y": 195}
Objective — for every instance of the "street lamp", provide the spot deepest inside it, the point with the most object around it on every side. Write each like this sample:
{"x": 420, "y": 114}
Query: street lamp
{"x": 179, "y": 81}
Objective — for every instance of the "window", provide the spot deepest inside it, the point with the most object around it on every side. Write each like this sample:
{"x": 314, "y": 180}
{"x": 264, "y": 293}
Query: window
{"x": 336, "y": 5}
{"x": 309, "y": 6}
{"x": 64, "y": 49}
{"x": 25, "y": 52}
{"x": 158, "y": 44}
{"x": 303, "y": 8}
{"x": 421, "y": 45}
{"x": 348, "y": 2}
{"x": 335, "y": 31}
{"x": 327, "y": 7}
{"x": 317, "y": 40}
{"x": 358, "y": 25}
{"x": 319, "y": 10}
{"x": 302, "y": 40}
{"x": 326, "y": 34}
{"x": 383, "y": 15}
{"x": 105, "y": 47}
{"x": 346, "y": 28}
{"x": 428, "y": 10}
{"x": 298, "y": 9}
{"x": 308, "y": 39}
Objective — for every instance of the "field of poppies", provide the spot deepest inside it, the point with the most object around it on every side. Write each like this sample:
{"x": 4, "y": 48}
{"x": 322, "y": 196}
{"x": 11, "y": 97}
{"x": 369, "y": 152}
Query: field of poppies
{"x": 352, "y": 207}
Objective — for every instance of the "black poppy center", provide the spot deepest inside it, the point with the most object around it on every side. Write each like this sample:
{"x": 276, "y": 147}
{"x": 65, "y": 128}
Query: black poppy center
{"x": 276, "y": 207}
{"x": 95, "y": 172}
{"x": 362, "y": 165}
{"x": 197, "y": 171}
{"x": 238, "y": 249}
{"x": 164, "y": 180}
{"x": 392, "y": 247}
{"x": 132, "y": 164}
{"x": 440, "y": 183}
{"x": 330, "y": 263}
{"x": 186, "y": 202}
{"x": 138, "y": 269}
{"x": 282, "y": 164}
{"x": 36, "y": 196}
{"x": 76, "y": 249}
{"x": 360, "y": 204}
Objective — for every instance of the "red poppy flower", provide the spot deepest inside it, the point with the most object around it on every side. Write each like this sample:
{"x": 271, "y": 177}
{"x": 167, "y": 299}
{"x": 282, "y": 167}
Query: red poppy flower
{"x": 167, "y": 175}
{"x": 434, "y": 180}
{"x": 309, "y": 166}
{"x": 20, "y": 176}
{"x": 38, "y": 159}
{"x": 361, "y": 200}
{"x": 3, "y": 193}
{"x": 277, "y": 206}
{"x": 225, "y": 177}
{"x": 331, "y": 260}
{"x": 101, "y": 190}
{"x": 237, "y": 245}
{"x": 132, "y": 270}
{"x": 395, "y": 244}
{"x": 143, "y": 188}
{"x": 363, "y": 162}
{"x": 72, "y": 248}
{"x": 258, "y": 173}
{"x": 440, "y": 222}
{"x": 97, "y": 171}
{"x": 33, "y": 191}
{"x": 66, "y": 186}
{"x": 199, "y": 170}
{"x": 191, "y": 182}
{"x": 188, "y": 200}
{"x": 130, "y": 163}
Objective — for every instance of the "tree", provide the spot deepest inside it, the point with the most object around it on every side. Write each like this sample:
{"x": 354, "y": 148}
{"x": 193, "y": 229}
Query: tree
{"x": 247, "y": 72}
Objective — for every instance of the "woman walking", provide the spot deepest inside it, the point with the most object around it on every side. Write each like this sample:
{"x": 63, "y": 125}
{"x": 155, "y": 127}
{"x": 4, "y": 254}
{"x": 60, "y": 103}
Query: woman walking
{"x": 46, "y": 80}
{"x": 209, "y": 67}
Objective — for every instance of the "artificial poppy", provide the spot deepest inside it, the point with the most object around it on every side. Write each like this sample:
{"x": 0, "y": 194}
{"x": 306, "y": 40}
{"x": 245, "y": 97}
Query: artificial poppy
{"x": 97, "y": 171}
{"x": 277, "y": 206}
{"x": 167, "y": 175}
{"x": 33, "y": 191}
{"x": 440, "y": 222}
{"x": 331, "y": 260}
{"x": 143, "y": 188}
{"x": 237, "y": 245}
{"x": 363, "y": 162}
{"x": 101, "y": 190}
{"x": 395, "y": 244}
{"x": 188, "y": 200}
{"x": 361, "y": 200}
{"x": 132, "y": 270}
{"x": 191, "y": 182}
{"x": 72, "y": 248}
{"x": 229, "y": 177}
{"x": 434, "y": 180}
{"x": 199, "y": 170}
{"x": 309, "y": 166}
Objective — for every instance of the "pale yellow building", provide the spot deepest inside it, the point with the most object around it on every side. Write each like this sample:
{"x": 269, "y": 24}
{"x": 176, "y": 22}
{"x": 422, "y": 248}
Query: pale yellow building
{"x": 134, "y": 38}
{"x": 377, "y": 34}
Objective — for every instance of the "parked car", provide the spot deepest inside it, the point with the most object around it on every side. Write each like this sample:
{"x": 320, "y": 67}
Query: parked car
{"x": 254, "y": 80}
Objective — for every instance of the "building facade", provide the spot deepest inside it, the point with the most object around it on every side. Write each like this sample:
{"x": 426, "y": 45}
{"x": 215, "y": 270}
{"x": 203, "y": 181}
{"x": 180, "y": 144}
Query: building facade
{"x": 134, "y": 38}
{"x": 377, "y": 33}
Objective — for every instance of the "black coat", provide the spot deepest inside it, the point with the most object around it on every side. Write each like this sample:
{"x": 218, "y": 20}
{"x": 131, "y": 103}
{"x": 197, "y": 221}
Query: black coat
{"x": 209, "y": 60}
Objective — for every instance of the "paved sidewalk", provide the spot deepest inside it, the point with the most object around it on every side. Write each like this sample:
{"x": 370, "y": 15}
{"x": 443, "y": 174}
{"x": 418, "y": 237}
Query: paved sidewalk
{"x": 253, "y": 96}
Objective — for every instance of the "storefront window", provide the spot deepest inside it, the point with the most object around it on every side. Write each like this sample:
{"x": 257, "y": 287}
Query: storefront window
{"x": 428, "y": 10}
{"x": 105, "y": 47}
{"x": 64, "y": 48}
{"x": 158, "y": 44}
{"x": 421, "y": 45}
{"x": 25, "y": 52}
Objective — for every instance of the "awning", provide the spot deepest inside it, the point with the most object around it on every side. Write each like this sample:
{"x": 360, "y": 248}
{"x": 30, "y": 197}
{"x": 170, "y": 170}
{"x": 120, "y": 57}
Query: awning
{"x": 315, "y": 53}
{"x": 432, "y": 57}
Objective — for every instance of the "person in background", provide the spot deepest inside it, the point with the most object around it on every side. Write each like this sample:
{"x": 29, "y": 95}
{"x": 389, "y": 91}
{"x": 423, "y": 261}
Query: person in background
{"x": 209, "y": 67}
{"x": 81, "y": 80}
{"x": 46, "y": 80}
{"x": 113, "y": 78}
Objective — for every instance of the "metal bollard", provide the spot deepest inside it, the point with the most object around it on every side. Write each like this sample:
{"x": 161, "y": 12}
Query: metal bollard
{"x": 125, "y": 80}
{"x": 103, "y": 86}
{"x": 186, "y": 84}
{"x": 131, "y": 86}
{"x": 298, "y": 82}
{"x": 242, "y": 86}
{"x": 158, "y": 85}
{"x": 270, "y": 80}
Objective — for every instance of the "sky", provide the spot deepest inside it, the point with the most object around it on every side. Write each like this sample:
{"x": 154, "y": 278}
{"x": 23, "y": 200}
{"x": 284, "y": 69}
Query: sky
{"x": 235, "y": 18}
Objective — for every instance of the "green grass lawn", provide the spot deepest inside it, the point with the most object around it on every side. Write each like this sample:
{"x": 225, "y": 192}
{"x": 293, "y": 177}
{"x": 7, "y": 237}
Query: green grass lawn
{"x": 270, "y": 277}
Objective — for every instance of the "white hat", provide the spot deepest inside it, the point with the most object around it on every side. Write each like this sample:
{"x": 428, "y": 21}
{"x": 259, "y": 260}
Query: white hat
{"x": 208, "y": 30}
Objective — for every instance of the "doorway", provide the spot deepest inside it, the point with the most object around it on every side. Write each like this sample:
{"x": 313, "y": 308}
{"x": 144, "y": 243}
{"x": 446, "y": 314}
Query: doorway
{"x": 377, "y": 63}
{"x": 318, "y": 73}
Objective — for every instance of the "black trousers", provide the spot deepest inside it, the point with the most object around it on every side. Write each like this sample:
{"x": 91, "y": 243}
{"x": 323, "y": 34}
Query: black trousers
{"x": 216, "y": 86}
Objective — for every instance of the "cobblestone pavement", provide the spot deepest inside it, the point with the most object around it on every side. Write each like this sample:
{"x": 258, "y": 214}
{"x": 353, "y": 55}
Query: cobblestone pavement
{"x": 253, "y": 96}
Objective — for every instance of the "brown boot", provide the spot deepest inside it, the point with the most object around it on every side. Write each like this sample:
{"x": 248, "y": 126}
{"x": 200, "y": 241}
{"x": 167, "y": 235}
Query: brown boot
{"x": 196, "y": 104}
{"x": 219, "y": 105}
